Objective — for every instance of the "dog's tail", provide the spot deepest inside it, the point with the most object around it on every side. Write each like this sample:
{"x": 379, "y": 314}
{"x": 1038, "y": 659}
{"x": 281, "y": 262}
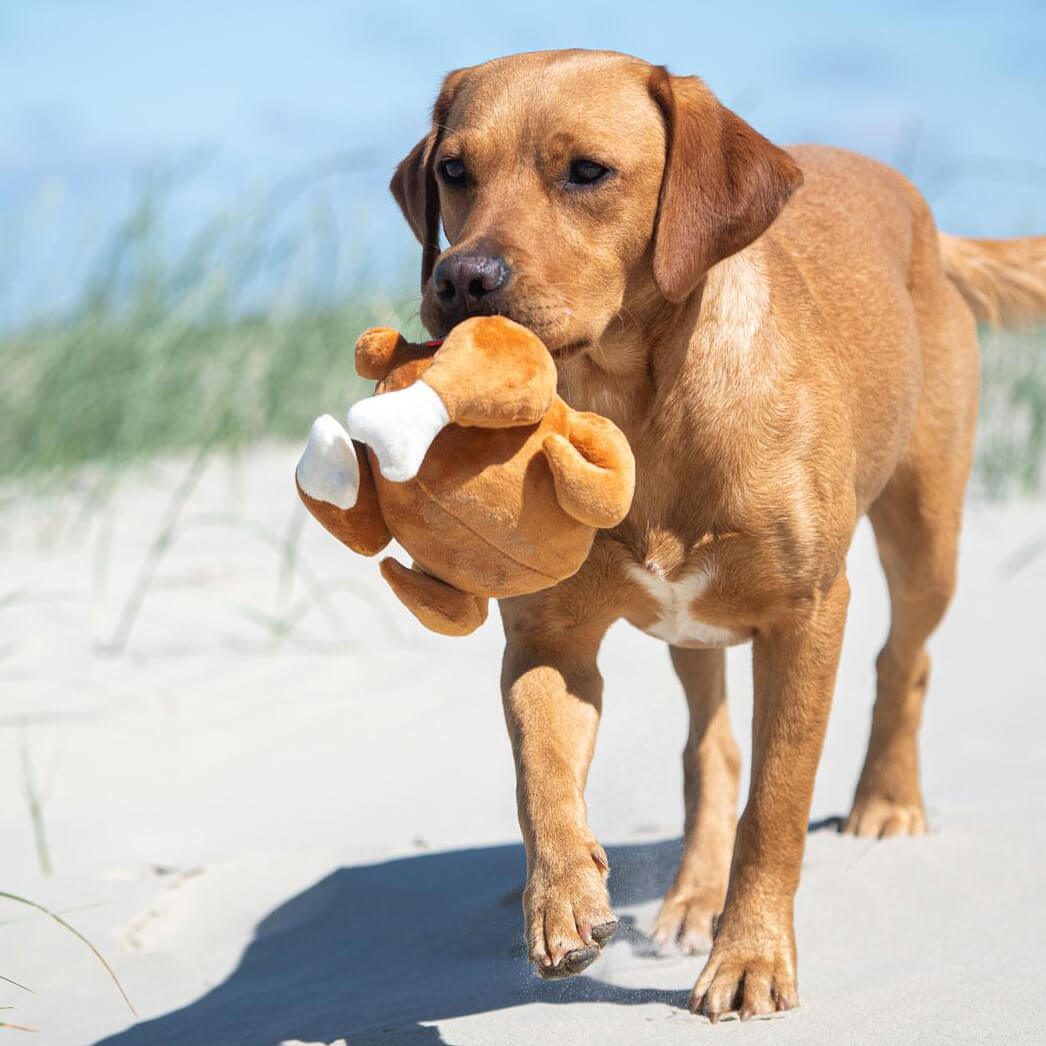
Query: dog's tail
{"x": 1003, "y": 281}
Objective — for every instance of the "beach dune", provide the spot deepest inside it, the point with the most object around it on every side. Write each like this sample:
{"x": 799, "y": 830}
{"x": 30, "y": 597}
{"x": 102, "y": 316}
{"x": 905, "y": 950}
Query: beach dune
{"x": 243, "y": 762}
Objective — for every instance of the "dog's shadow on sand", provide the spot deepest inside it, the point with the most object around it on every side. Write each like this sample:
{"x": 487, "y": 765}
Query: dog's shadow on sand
{"x": 369, "y": 953}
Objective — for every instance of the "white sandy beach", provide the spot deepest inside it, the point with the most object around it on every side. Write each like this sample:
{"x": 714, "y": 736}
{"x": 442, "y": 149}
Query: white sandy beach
{"x": 285, "y": 812}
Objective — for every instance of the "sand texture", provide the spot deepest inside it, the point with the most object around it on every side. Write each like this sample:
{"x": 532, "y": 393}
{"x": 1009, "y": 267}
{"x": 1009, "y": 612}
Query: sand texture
{"x": 286, "y": 813}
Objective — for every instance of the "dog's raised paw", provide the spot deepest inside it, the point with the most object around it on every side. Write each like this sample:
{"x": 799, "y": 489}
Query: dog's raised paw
{"x": 602, "y": 933}
{"x": 573, "y": 962}
{"x": 567, "y": 914}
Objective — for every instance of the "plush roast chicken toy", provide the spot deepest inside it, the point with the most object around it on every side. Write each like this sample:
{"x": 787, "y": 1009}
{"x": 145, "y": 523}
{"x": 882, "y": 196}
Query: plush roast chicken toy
{"x": 472, "y": 463}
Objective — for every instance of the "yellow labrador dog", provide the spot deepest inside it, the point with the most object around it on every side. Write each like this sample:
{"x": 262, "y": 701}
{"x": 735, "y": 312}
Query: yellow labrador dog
{"x": 788, "y": 343}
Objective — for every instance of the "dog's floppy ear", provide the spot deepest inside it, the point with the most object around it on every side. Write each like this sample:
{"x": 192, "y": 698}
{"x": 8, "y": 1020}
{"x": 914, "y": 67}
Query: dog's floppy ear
{"x": 414, "y": 183}
{"x": 723, "y": 185}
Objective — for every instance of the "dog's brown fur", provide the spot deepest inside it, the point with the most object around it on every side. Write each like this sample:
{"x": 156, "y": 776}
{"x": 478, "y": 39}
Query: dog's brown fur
{"x": 784, "y": 340}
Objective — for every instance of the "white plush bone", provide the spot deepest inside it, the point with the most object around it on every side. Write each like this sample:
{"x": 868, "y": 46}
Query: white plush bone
{"x": 399, "y": 427}
{"x": 328, "y": 469}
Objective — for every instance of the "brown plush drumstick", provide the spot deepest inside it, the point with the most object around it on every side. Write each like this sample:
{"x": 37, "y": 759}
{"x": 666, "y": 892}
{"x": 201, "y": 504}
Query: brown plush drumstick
{"x": 334, "y": 481}
{"x": 488, "y": 373}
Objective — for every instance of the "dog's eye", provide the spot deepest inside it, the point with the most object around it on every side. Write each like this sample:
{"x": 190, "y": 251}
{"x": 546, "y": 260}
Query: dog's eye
{"x": 453, "y": 171}
{"x": 586, "y": 172}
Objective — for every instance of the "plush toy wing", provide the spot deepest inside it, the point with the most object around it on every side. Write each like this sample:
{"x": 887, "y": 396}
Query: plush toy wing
{"x": 593, "y": 470}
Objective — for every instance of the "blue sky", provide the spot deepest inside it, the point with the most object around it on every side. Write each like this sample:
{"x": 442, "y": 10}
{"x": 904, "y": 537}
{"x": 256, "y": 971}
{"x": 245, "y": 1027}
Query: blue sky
{"x": 95, "y": 92}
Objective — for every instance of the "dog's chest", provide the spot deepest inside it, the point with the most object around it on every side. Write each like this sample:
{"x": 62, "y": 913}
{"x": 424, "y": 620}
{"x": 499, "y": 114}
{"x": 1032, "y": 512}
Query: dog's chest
{"x": 671, "y": 609}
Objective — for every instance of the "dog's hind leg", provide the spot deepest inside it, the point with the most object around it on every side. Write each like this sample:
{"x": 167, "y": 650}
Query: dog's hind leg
{"x": 916, "y": 521}
{"x": 711, "y": 767}
{"x": 917, "y": 551}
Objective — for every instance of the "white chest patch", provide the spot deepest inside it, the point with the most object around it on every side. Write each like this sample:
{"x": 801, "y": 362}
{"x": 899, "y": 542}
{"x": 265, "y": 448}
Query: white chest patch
{"x": 676, "y": 624}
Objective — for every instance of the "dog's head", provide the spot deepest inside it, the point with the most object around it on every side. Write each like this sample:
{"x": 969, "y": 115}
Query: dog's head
{"x": 574, "y": 186}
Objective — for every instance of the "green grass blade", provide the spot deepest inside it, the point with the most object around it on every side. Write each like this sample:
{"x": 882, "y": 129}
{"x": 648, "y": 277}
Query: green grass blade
{"x": 16, "y": 984}
{"x": 77, "y": 934}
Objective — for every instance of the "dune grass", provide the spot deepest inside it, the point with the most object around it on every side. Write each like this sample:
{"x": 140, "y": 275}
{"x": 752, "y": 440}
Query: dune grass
{"x": 162, "y": 354}
{"x": 115, "y": 387}
{"x": 219, "y": 343}
{"x": 1011, "y": 441}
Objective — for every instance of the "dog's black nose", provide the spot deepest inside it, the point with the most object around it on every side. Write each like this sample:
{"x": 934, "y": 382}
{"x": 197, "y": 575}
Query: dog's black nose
{"x": 463, "y": 278}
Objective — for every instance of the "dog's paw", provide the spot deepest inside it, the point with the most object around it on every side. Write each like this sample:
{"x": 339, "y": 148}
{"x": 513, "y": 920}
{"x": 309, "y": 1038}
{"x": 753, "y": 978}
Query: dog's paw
{"x": 875, "y": 816}
{"x": 567, "y": 913}
{"x": 687, "y": 921}
{"x": 399, "y": 427}
{"x": 752, "y": 975}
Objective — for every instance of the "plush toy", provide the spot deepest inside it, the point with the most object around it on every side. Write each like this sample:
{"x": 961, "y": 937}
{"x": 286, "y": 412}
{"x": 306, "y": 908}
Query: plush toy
{"x": 471, "y": 461}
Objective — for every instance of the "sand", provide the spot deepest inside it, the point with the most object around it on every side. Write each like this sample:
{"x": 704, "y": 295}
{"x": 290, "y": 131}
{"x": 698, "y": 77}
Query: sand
{"x": 285, "y": 813}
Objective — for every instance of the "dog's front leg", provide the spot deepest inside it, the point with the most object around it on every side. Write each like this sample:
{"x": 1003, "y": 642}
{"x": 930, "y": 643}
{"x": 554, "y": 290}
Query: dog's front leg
{"x": 553, "y": 693}
{"x": 752, "y": 967}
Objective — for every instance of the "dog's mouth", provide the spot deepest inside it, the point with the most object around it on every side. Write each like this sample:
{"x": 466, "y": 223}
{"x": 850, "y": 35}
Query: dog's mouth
{"x": 570, "y": 350}
{"x": 560, "y": 353}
